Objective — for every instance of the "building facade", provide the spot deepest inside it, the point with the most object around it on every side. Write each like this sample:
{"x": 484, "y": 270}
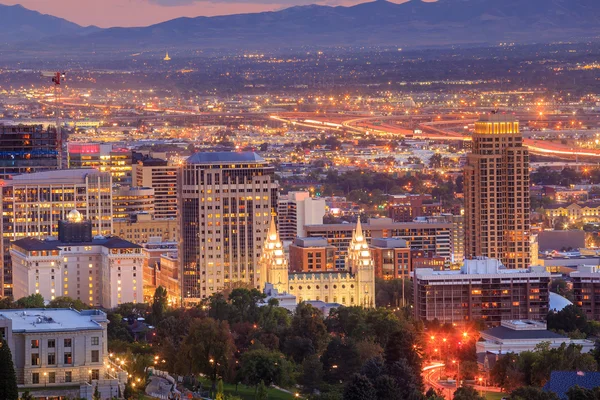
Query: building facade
{"x": 28, "y": 148}
{"x": 497, "y": 223}
{"x": 142, "y": 228}
{"x": 392, "y": 258}
{"x": 130, "y": 201}
{"x": 162, "y": 177}
{"x": 586, "y": 290}
{"x": 60, "y": 349}
{"x": 101, "y": 272}
{"x": 225, "y": 201}
{"x": 295, "y": 210}
{"x": 407, "y": 207}
{"x": 482, "y": 290}
{"x": 311, "y": 255}
{"x": 33, "y": 204}
{"x": 103, "y": 157}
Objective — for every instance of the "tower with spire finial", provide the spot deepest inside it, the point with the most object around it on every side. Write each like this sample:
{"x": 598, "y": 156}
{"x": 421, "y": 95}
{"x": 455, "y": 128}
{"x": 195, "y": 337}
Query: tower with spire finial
{"x": 359, "y": 263}
{"x": 273, "y": 264}
{"x": 167, "y": 58}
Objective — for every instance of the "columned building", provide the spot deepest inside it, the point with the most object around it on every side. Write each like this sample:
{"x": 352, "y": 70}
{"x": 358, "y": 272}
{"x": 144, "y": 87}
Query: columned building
{"x": 497, "y": 193}
{"x": 226, "y": 200}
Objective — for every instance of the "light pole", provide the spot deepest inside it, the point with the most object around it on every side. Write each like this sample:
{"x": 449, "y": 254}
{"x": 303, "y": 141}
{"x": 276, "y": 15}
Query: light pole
{"x": 45, "y": 379}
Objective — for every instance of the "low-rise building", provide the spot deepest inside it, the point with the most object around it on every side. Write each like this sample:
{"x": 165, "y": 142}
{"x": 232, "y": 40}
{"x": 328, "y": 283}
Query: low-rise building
{"x": 481, "y": 289}
{"x": 407, "y": 207}
{"x": 586, "y": 290}
{"x": 61, "y": 351}
{"x": 312, "y": 255}
{"x": 142, "y": 228}
{"x": 572, "y": 213}
{"x": 391, "y": 257}
{"x": 100, "y": 271}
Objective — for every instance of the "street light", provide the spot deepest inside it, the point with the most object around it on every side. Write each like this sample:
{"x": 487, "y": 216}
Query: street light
{"x": 45, "y": 379}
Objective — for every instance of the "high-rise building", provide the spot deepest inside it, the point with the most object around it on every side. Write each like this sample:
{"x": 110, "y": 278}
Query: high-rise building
{"x": 312, "y": 255}
{"x": 392, "y": 258}
{"x": 162, "y": 177}
{"x": 497, "y": 193}
{"x": 296, "y": 210}
{"x": 131, "y": 201}
{"x": 482, "y": 290}
{"x": 407, "y": 207}
{"x": 103, "y": 157}
{"x": 33, "y": 204}
{"x": 226, "y": 200}
{"x": 27, "y": 148}
{"x": 586, "y": 290}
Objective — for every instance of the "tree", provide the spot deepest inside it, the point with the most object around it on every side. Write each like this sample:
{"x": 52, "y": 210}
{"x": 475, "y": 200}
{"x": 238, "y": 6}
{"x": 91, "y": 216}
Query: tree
{"x": 159, "y": 304}
{"x": 261, "y": 392}
{"x": 359, "y": 388}
{"x": 128, "y": 392}
{"x": 387, "y": 388}
{"x": 467, "y": 393}
{"x": 531, "y": 393}
{"x": 341, "y": 360}
{"x": 265, "y": 366}
{"x": 8, "y": 378}
{"x": 568, "y": 319}
{"x": 308, "y": 323}
{"x": 578, "y": 393}
{"x": 68, "y": 302}
{"x": 220, "y": 392}
{"x": 32, "y": 301}
{"x": 401, "y": 346}
{"x": 435, "y": 161}
{"x": 27, "y": 396}
{"x": 312, "y": 373}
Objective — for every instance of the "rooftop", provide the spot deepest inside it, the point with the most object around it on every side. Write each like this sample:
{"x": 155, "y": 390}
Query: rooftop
{"x": 53, "y": 320}
{"x": 32, "y": 244}
{"x": 53, "y": 177}
{"x": 502, "y": 332}
{"x": 221, "y": 157}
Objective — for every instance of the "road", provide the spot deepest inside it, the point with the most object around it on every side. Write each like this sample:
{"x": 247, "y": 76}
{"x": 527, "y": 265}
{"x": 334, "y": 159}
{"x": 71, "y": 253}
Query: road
{"x": 431, "y": 375}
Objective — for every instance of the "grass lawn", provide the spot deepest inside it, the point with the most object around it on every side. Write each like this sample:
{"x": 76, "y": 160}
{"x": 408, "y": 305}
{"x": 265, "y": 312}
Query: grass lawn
{"x": 247, "y": 393}
{"x": 494, "y": 395}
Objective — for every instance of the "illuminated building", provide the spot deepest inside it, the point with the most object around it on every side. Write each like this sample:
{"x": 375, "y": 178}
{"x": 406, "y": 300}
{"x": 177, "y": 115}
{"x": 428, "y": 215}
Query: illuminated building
{"x": 482, "y": 289}
{"x": 572, "y": 213}
{"x": 392, "y": 258}
{"x": 354, "y": 287}
{"x": 407, "y": 207}
{"x": 162, "y": 177}
{"x": 27, "y": 149}
{"x": 295, "y": 210}
{"x": 312, "y": 255}
{"x": 586, "y": 290}
{"x": 161, "y": 268}
{"x": 33, "y": 204}
{"x": 496, "y": 186}
{"x": 225, "y": 203}
{"x": 99, "y": 271}
{"x": 130, "y": 201}
{"x": 60, "y": 351}
{"x": 103, "y": 157}
{"x": 141, "y": 228}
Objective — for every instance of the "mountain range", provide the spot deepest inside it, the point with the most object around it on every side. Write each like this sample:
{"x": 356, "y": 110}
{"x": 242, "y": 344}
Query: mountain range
{"x": 413, "y": 23}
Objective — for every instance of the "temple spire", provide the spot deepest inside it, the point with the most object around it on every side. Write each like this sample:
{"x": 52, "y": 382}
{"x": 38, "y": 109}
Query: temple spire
{"x": 273, "y": 235}
{"x": 358, "y": 231}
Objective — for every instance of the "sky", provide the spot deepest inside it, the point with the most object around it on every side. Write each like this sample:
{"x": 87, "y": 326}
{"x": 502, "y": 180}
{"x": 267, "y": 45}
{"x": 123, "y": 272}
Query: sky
{"x": 108, "y": 13}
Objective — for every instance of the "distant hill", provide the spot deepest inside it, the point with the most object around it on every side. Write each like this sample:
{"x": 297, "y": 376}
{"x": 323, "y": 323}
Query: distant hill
{"x": 414, "y": 23}
{"x": 18, "y": 24}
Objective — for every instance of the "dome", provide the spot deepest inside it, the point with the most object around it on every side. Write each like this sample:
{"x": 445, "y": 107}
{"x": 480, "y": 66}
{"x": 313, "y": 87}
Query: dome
{"x": 74, "y": 216}
{"x": 557, "y": 302}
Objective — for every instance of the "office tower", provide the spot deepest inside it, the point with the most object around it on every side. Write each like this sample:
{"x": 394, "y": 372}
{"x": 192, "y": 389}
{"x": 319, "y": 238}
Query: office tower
{"x": 225, "y": 202}
{"x": 27, "y": 148}
{"x": 131, "y": 201}
{"x": 162, "y": 177}
{"x": 103, "y": 157}
{"x": 295, "y": 210}
{"x": 99, "y": 271}
{"x": 33, "y": 204}
{"x": 586, "y": 290}
{"x": 497, "y": 193}
{"x": 482, "y": 289}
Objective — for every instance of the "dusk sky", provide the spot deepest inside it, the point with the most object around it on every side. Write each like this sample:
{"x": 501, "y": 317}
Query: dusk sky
{"x": 106, "y": 13}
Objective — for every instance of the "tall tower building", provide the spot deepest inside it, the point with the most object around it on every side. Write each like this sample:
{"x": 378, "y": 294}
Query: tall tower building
{"x": 27, "y": 148}
{"x": 162, "y": 177}
{"x": 497, "y": 193}
{"x": 226, "y": 200}
{"x": 295, "y": 210}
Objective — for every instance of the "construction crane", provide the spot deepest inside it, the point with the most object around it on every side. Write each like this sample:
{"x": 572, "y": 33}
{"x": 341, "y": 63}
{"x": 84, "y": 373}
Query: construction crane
{"x": 57, "y": 78}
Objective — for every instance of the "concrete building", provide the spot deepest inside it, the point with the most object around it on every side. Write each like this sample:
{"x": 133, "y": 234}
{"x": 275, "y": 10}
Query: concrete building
{"x": 103, "y": 157}
{"x": 586, "y": 290}
{"x": 407, "y": 207}
{"x": 497, "y": 223}
{"x": 162, "y": 177}
{"x": 482, "y": 289}
{"x": 225, "y": 201}
{"x": 28, "y": 148}
{"x": 391, "y": 257}
{"x": 100, "y": 271}
{"x": 142, "y": 228}
{"x": 32, "y": 204}
{"x": 425, "y": 235}
{"x": 161, "y": 268}
{"x": 524, "y": 335}
{"x": 457, "y": 241}
{"x": 354, "y": 287}
{"x": 61, "y": 352}
{"x": 311, "y": 255}
{"x": 296, "y": 210}
{"x": 130, "y": 201}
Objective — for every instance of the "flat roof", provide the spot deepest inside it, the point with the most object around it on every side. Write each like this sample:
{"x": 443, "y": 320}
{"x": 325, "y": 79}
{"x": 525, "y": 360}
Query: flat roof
{"x": 502, "y": 332}
{"x": 379, "y": 226}
{"x": 54, "y": 176}
{"x": 32, "y": 244}
{"x": 53, "y": 319}
{"x": 220, "y": 157}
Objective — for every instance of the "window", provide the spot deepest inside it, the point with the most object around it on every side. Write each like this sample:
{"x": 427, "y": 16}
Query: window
{"x": 95, "y": 341}
{"x": 96, "y": 374}
{"x": 51, "y": 343}
{"x": 35, "y": 359}
{"x": 67, "y": 342}
{"x": 95, "y": 356}
{"x": 35, "y": 344}
{"x": 51, "y": 377}
{"x": 51, "y": 359}
{"x": 35, "y": 378}
{"x": 68, "y": 376}
{"x": 68, "y": 358}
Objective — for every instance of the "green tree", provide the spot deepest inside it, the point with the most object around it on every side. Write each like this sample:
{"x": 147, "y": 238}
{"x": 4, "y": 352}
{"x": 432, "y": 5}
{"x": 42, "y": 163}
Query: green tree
{"x": 467, "y": 393}
{"x": 8, "y": 378}
{"x": 531, "y": 393}
{"x": 312, "y": 373}
{"x": 159, "y": 304}
{"x": 340, "y": 360}
{"x": 220, "y": 391}
{"x": 68, "y": 302}
{"x": 32, "y": 301}
{"x": 308, "y": 323}
{"x": 578, "y": 393}
{"x": 27, "y": 396}
{"x": 360, "y": 388}
{"x": 265, "y": 366}
{"x": 96, "y": 393}
{"x": 261, "y": 392}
